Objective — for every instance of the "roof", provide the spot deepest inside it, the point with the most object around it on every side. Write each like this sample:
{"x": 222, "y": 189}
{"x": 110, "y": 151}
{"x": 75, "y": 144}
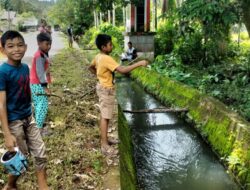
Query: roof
{"x": 30, "y": 22}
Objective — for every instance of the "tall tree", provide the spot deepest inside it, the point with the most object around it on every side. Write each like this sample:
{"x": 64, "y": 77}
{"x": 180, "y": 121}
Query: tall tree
{"x": 21, "y": 6}
{"x": 76, "y": 12}
{"x": 246, "y": 14}
{"x": 168, "y": 5}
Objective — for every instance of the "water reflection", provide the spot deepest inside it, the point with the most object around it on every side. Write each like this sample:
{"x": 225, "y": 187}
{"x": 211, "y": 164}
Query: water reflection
{"x": 169, "y": 155}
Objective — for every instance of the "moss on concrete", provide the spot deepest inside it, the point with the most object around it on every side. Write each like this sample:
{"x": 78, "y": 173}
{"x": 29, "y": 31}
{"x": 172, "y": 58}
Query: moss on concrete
{"x": 227, "y": 133}
{"x": 127, "y": 167}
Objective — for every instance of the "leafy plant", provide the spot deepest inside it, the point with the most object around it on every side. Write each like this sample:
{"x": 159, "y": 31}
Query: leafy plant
{"x": 88, "y": 40}
{"x": 164, "y": 39}
{"x": 190, "y": 49}
{"x": 209, "y": 40}
{"x": 230, "y": 83}
{"x": 237, "y": 161}
{"x": 117, "y": 37}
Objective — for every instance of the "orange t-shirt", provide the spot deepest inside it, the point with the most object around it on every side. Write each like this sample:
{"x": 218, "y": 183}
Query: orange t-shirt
{"x": 105, "y": 66}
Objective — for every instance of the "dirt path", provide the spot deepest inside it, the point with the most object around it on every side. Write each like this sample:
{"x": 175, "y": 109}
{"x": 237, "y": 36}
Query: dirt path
{"x": 75, "y": 160}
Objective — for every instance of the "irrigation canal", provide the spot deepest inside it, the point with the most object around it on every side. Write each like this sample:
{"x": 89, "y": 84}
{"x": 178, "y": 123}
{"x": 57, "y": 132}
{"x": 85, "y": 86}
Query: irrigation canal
{"x": 168, "y": 152}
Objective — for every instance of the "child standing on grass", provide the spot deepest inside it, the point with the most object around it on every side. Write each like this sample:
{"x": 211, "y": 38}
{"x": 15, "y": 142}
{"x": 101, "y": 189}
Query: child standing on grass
{"x": 70, "y": 35}
{"x": 103, "y": 66}
{"x": 18, "y": 125}
{"x": 39, "y": 80}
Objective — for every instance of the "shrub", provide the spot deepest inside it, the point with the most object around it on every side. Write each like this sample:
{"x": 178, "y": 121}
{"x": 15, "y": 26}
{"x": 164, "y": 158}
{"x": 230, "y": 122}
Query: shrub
{"x": 164, "y": 39}
{"x": 117, "y": 37}
{"x": 190, "y": 49}
{"x": 88, "y": 40}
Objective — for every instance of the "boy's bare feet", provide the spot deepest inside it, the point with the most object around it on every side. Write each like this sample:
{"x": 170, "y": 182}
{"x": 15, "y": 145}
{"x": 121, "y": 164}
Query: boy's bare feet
{"x": 41, "y": 178}
{"x": 11, "y": 184}
{"x": 108, "y": 150}
{"x": 113, "y": 141}
{"x": 45, "y": 132}
{"x": 7, "y": 187}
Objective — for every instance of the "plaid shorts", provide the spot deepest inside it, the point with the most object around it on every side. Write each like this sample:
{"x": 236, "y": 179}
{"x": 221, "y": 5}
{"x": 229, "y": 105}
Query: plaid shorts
{"x": 29, "y": 140}
{"x": 106, "y": 101}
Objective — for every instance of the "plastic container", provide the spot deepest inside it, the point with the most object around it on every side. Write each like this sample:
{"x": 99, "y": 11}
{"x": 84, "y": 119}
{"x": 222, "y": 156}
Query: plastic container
{"x": 14, "y": 162}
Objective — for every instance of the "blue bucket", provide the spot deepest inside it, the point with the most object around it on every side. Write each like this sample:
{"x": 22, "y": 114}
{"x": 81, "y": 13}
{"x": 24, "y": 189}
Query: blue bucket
{"x": 15, "y": 162}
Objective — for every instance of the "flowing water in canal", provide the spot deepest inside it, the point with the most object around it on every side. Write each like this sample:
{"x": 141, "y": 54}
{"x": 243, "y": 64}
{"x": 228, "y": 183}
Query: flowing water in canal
{"x": 168, "y": 153}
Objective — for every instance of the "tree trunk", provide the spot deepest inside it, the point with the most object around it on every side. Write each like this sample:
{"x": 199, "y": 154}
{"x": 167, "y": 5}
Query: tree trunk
{"x": 168, "y": 5}
{"x": 164, "y": 6}
{"x": 124, "y": 16}
{"x": 155, "y": 14}
{"x": 100, "y": 21}
{"x": 95, "y": 18}
{"x": 178, "y": 3}
{"x": 246, "y": 15}
{"x": 113, "y": 14}
{"x": 109, "y": 17}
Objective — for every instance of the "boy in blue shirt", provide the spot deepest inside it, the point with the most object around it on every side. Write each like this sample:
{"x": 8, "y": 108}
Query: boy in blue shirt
{"x": 18, "y": 125}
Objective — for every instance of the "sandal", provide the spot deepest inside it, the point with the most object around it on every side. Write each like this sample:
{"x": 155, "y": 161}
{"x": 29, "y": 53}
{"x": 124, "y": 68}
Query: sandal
{"x": 113, "y": 141}
{"x": 108, "y": 151}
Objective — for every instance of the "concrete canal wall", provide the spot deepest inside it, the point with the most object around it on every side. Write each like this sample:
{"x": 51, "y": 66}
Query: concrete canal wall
{"x": 127, "y": 165}
{"x": 226, "y": 132}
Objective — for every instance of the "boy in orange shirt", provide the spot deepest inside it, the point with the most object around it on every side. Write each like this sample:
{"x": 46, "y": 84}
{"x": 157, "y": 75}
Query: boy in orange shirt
{"x": 103, "y": 66}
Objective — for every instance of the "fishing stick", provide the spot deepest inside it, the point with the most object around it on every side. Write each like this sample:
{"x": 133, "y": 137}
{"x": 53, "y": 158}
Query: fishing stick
{"x": 39, "y": 94}
{"x": 142, "y": 55}
{"x": 157, "y": 110}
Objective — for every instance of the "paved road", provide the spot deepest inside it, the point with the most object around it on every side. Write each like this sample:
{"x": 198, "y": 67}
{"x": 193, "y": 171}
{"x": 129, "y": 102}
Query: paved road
{"x": 58, "y": 43}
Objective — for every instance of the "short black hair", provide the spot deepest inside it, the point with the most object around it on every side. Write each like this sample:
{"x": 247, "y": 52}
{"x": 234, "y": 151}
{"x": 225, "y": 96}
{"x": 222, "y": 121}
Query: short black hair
{"x": 130, "y": 43}
{"x": 102, "y": 40}
{"x": 10, "y": 35}
{"x": 43, "y": 36}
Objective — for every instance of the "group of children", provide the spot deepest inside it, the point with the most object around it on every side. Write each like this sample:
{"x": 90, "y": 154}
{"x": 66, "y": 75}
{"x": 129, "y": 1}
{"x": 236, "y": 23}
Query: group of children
{"x": 19, "y": 84}
{"x": 19, "y": 127}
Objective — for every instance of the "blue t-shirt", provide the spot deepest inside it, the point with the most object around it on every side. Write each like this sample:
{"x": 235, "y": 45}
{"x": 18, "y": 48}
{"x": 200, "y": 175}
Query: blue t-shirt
{"x": 15, "y": 81}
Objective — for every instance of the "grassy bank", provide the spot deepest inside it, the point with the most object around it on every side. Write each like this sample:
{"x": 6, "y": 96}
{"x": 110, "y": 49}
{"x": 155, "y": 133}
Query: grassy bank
{"x": 74, "y": 157}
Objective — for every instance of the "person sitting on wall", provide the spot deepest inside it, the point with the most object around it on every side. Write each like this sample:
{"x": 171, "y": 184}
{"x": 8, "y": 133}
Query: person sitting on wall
{"x": 130, "y": 54}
